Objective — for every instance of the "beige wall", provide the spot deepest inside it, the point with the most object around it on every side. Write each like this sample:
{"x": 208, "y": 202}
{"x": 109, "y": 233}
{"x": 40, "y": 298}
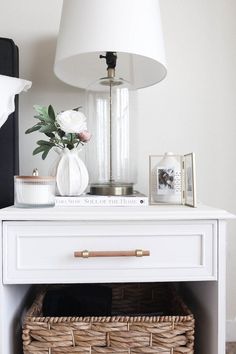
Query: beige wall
{"x": 193, "y": 109}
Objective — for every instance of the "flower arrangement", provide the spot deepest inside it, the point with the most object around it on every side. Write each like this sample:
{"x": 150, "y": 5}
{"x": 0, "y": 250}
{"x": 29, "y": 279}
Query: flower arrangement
{"x": 67, "y": 129}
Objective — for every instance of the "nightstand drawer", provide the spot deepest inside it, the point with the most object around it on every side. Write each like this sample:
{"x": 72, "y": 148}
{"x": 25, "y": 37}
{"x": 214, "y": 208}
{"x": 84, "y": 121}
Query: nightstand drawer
{"x": 43, "y": 252}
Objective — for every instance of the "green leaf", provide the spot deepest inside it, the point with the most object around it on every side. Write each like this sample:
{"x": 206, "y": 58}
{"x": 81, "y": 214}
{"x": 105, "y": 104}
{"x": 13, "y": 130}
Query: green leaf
{"x": 39, "y": 149}
{"x": 50, "y": 135}
{"x": 44, "y": 142}
{"x": 44, "y": 149}
{"x": 42, "y": 110}
{"x": 41, "y": 118}
{"x": 61, "y": 133}
{"x": 45, "y": 153}
{"x": 66, "y": 141}
{"x": 33, "y": 129}
{"x": 77, "y": 108}
{"x": 43, "y": 114}
{"x": 51, "y": 113}
{"x": 70, "y": 136}
{"x": 47, "y": 128}
{"x": 70, "y": 146}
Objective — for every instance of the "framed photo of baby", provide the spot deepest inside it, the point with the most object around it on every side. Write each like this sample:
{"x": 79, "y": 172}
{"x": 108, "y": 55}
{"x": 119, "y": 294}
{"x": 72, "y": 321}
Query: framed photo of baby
{"x": 172, "y": 179}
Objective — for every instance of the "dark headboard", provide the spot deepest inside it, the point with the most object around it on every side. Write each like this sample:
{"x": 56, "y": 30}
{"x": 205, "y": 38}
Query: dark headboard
{"x": 9, "y": 148}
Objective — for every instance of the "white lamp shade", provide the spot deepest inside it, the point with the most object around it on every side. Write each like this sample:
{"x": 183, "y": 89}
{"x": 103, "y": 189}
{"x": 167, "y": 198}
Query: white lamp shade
{"x": 131, "y": 28}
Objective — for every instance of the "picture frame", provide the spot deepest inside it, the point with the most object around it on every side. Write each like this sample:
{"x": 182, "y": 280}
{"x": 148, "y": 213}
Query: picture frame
{"x": 172, "y": 179}
{"x": 189, "y": 180}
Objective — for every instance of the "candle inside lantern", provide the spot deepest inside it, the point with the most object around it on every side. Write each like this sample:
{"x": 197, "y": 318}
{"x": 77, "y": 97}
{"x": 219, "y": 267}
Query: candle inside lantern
{"x": 34, "y": 191}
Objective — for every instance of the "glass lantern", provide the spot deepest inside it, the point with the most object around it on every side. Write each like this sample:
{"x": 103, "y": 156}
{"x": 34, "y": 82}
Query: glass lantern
{"x": 110, "y": 155}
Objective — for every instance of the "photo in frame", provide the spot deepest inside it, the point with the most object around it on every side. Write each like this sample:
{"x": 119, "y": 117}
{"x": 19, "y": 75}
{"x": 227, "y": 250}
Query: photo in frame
{"x": 165, "y": 179}
{"x": 172, "y": 179}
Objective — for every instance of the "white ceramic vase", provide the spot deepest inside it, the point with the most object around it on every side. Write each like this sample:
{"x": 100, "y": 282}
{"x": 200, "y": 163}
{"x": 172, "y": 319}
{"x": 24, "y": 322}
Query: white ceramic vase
{"x": 70, "y": 172}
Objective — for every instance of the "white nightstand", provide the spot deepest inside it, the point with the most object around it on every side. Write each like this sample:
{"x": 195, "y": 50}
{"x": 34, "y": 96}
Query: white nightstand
{"x": 185, "y": 244}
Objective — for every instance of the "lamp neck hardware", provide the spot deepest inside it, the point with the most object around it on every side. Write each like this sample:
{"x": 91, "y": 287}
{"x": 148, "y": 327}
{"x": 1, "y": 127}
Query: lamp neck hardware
{"x": 111, "y": 58}
{"x": 111, "y": 73}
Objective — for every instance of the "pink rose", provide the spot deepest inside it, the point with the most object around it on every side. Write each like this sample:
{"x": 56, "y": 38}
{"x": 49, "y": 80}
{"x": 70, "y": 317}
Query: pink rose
{"x": 84, "y": 136}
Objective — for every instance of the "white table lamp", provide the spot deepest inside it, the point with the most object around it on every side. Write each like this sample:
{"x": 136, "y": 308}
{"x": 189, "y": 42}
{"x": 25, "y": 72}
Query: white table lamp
{"x": 127, "y": 33}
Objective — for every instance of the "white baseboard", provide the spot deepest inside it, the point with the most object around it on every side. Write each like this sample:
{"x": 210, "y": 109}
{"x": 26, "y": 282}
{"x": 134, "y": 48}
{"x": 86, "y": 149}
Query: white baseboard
{"x": 231, "y": 330}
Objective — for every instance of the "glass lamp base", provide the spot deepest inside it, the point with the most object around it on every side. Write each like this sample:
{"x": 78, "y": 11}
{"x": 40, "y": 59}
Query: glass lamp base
{"x": 111, "y": 189}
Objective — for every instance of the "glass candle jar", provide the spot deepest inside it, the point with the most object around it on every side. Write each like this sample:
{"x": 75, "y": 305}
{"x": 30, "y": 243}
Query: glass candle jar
{"x": 34, "y": 191}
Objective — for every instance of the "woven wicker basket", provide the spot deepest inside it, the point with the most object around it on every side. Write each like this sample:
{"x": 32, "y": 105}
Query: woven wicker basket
{"x": 170, "y": 333}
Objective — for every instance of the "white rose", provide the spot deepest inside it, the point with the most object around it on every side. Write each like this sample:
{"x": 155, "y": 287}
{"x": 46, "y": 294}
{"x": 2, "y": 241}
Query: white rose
{"x": 72, "y": 121}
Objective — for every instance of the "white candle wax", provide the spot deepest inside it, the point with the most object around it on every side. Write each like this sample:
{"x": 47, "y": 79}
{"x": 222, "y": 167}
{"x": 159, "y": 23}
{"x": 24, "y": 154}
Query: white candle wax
{"x": 34, "y": 192}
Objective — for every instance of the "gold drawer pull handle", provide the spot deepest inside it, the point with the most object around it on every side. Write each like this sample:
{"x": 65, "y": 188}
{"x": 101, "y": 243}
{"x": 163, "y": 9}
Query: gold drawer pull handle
{"x": 88, "y": 254}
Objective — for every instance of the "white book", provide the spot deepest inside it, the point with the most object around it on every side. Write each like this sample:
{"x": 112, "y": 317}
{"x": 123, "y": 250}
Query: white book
{"x": 84, "y": 200}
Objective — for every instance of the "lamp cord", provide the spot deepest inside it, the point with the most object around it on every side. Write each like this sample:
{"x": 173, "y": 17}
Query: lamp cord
{"x": 110, "y": 103}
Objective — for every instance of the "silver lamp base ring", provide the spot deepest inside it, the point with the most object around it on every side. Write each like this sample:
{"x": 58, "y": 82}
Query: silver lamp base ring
{"x": 112, "y": 189}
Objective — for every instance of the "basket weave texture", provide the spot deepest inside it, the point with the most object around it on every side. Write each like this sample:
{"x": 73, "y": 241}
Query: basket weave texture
{"x": 169, "y": 333}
